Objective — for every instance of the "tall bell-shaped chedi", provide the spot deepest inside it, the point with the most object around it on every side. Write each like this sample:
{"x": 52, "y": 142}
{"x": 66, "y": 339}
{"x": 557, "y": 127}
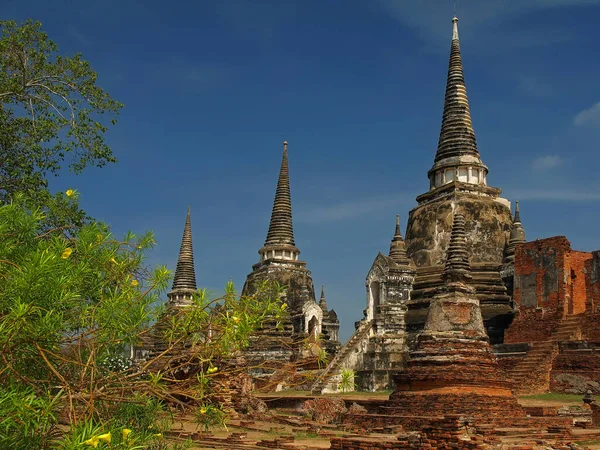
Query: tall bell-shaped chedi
{"x": 458, "y": 184}
{"x": 452, "y": 370}
{"x": 279, "y": 261}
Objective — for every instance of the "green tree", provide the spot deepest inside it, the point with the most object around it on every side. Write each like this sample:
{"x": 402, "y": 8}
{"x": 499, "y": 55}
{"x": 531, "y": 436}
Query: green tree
{"x": 73, "y": 300}
{"x": 50, "y": 108}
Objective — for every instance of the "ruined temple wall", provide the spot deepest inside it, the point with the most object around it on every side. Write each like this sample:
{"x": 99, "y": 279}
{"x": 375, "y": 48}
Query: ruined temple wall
{"x": 576, "y": 369}
{"x": 539, "y": 289}
{"x": 575, "y": 281}
{"x": 592, "y": 283}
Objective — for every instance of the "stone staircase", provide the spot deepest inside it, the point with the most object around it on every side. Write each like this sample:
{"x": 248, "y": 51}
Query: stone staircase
{"x": 532, "y": 375}
{"x": 333, "y": 368}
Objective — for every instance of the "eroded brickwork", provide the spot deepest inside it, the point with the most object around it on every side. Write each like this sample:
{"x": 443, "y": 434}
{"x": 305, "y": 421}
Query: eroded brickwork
{"x": 552, "y": 281}
{"x": 556, "y": 294}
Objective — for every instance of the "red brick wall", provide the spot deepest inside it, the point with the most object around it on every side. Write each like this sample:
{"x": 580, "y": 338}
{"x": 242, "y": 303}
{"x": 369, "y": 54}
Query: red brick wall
{"x": 592, "y": 282}
{"x": 551, "y": 282}
{"x": 538, "y": 289}
{"x": 576, "y": 372}
{"x": 575, "y": 277}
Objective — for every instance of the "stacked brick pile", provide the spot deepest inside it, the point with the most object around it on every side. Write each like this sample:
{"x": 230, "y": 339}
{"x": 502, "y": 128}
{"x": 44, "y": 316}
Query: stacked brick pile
{"x": 452, "y": 432}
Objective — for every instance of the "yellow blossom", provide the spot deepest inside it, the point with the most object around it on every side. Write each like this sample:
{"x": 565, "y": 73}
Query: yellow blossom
{"x": 158, "y": 435}
{"x": 113, "y": 260}
{"x": 284, "y": 306}
{"x": 70, "y": 192}
{"x": 236, "y": 319}
{"x": 212, "y": 370}
{"x": 93, "y": 441}
{"x": 202, "y": 410}
{"x": 134, "y": 282}
{"x": 125, "y": 433}
{"x": 105, "y": 437}
{"x": 66, "y": 253}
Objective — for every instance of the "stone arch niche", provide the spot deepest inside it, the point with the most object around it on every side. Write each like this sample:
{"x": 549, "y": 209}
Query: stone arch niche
{"x": 375, "y": 284}
{"x": 313, "y": 319}
{"x": 313, "y": 326}
{"x": 374, "y": 296}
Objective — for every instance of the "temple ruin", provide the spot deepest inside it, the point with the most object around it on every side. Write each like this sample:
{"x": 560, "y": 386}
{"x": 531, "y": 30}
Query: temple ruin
{"x": 536, "y": 302}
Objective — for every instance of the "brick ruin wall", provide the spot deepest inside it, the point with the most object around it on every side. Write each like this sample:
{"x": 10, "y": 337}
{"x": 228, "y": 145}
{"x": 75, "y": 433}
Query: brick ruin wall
{"x": 539, "y": 268}
{"x": 553, "y": 281}
{"x": 449, "y": 432}
{"x": 576, "y": 369}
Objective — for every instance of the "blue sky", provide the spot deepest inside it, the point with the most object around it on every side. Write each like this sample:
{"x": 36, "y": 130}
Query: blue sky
{"x": 212, "y": 88}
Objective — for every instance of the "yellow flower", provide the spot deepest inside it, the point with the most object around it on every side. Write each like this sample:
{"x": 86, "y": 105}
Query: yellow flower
{"x": 212, "y": 370}
{"x": 113, "y": 260}
{"x": 202, "y": 410}
{"x": 284, "y": 306}
{"x": 236, "y": 319}
{"x": 70, "y": 192}
{"x": 134, "y": 282}
{"x": 125, "y": 433}
{"x": 158, "y": 435}
{"x": 105, "y": 437}
{"x": 66, "y": 253}
{"x": 93, "y": 441}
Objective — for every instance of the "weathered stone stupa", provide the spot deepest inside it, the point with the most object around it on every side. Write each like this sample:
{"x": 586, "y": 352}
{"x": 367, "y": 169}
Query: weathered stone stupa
{"x": 458, "y": 184}
{"x": 184, "y": 280}
{"x": 279, "y": 261}
{"x": 452, "y": 370}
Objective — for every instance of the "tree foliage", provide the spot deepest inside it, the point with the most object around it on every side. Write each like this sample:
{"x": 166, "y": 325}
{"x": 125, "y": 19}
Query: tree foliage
{"x": 73, "y": 302}
{"x": 50, "y": 109}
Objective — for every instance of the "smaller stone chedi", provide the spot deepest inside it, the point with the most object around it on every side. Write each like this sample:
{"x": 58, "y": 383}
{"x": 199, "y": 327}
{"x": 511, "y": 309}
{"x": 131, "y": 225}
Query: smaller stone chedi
{"x": 181, "y": 294}
{"x": 279, "y": 261}
{"x": 452, "y": 370}
{"x": 184, "y": 280}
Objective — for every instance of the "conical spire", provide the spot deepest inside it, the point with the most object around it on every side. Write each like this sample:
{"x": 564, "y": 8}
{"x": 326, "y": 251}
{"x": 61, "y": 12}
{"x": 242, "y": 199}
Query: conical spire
{"x": 398, "y": 246}
{"x": 322, "y": 301}
{"x": 517, "y": 232}
{"x": 457, "y": 136}
{"x": 517, "y": 218}
{"x": 457, "y": 267}
{"x": 185, "y": 275}
{"x": 281, "y": 231}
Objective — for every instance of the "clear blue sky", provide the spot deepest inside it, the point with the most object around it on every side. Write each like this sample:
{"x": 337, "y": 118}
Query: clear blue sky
{"x": 212, "y": 88}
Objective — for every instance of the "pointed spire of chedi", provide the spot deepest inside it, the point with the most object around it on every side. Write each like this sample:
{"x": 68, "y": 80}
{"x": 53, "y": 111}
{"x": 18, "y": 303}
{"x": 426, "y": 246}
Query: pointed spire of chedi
{"x": 398, "y": 246}
{"x": 517, "y": 232}
{"x": 457, "y": 136}
{"x": 458, "y": 268}
{"x": 322, "y": 301}
{"x": 280, "y": 237}
{"x": 184, "y": 281}
{"x": 457, "y": 156}
{"x": 281, "y": 230}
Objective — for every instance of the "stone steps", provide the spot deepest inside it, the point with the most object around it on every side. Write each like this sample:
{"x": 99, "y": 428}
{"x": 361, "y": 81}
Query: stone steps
{"x": 532, "y": 375}
{"x": 332, "y": 368}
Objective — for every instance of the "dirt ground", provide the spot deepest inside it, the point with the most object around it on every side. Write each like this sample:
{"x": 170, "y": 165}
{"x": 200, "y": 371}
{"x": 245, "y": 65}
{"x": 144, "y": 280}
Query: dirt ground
{"x": 309, "y": 435}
